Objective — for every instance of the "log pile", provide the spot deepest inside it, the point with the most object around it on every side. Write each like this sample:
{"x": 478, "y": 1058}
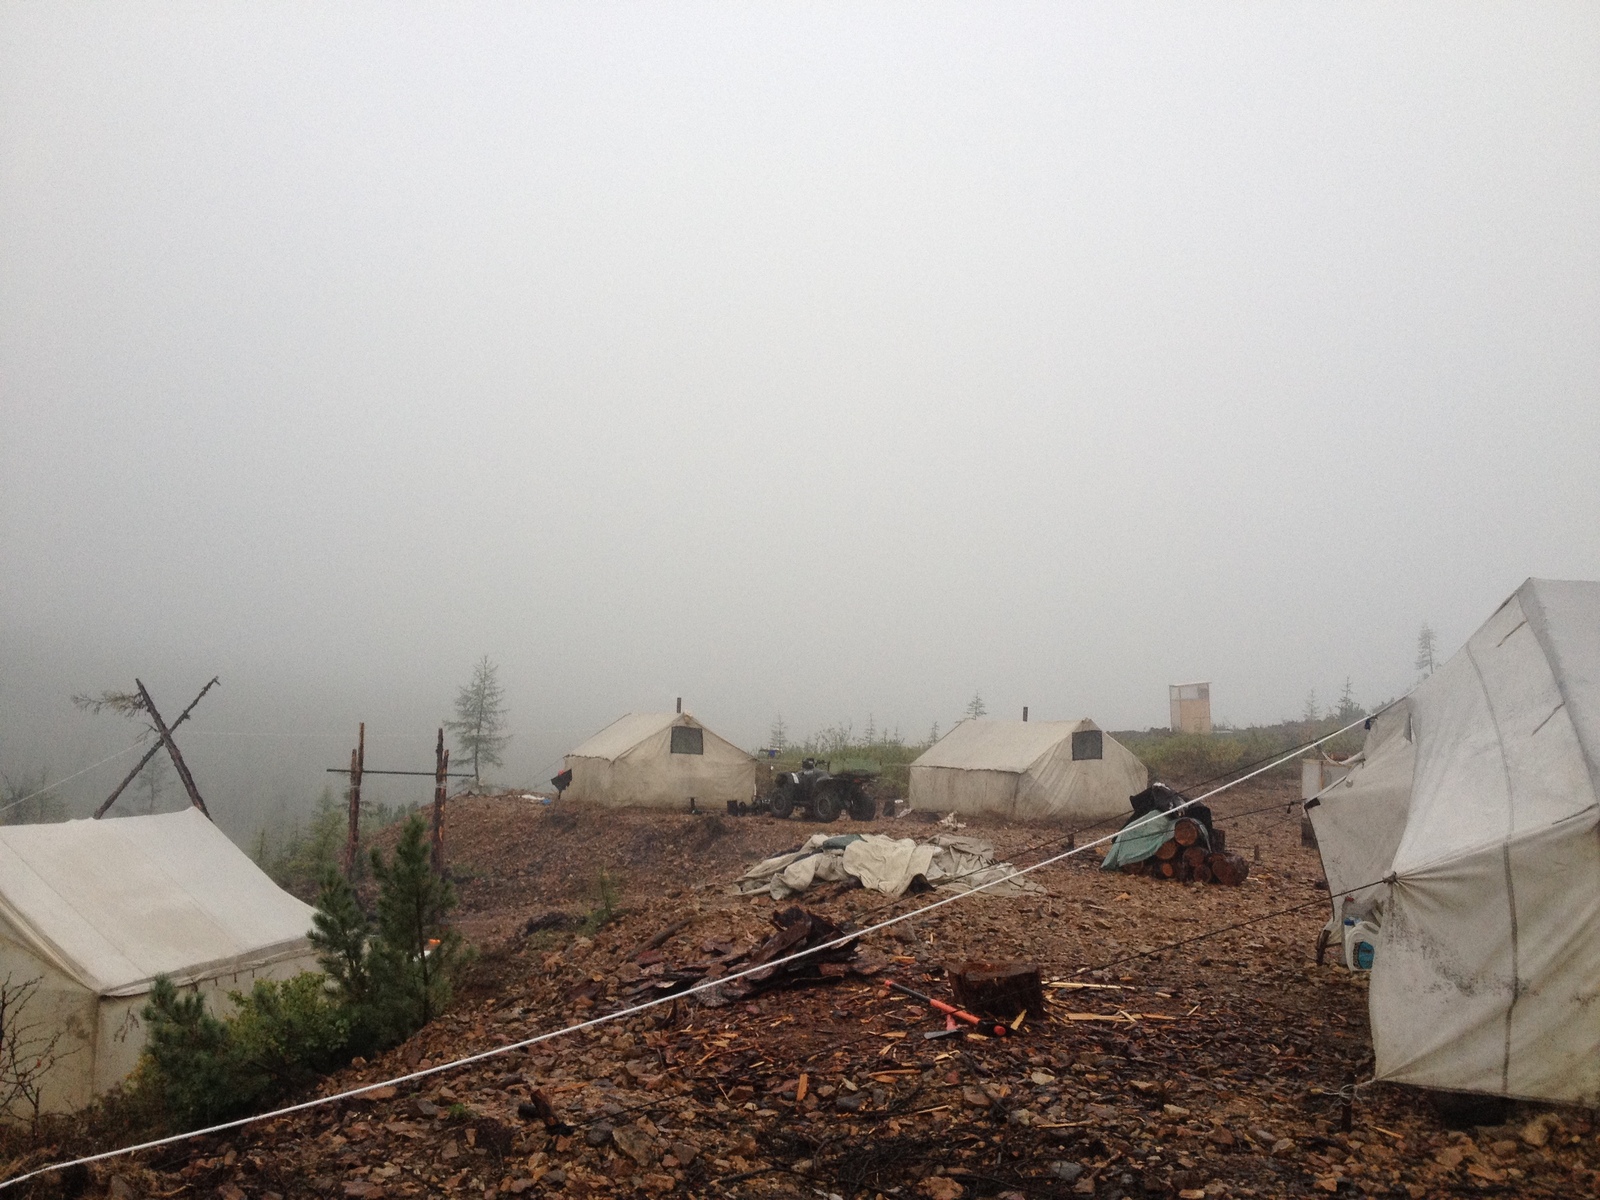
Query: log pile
{"x": 1185, "y": 858}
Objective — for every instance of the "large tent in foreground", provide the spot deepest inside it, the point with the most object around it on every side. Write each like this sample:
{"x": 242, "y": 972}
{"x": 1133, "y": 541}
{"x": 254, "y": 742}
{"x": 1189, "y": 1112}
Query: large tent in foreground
{"x": 92, "y": 911}
{"x": 1028, "y": 770}
{"x": 659, "y": 760}
{"x": 1471, "y": 834}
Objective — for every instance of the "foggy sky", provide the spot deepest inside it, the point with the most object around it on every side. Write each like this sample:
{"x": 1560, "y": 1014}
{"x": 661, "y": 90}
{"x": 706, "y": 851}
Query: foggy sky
{"x": 810, "y": 360}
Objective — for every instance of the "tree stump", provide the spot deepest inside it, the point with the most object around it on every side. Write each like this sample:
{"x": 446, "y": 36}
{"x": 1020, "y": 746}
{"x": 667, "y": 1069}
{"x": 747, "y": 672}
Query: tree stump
{"x": 1229, "y": 869}
{"x": 997, "y": 989}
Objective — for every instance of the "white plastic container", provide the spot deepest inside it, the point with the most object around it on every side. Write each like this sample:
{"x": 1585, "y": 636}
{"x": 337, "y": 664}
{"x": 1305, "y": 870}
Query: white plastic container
{"x": 1360, "y": 944}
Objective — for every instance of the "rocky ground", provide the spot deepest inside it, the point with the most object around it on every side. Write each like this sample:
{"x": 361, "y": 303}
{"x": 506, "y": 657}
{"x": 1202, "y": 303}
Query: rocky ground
{"x": 1209, "y": 1069}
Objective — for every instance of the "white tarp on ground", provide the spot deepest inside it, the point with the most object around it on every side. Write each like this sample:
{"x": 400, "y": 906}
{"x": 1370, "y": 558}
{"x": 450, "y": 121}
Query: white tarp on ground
{"x": 95, "y": 910}
{"x": 636, "y": 761}
{"x": 1487, "y": 974}
{"x": 889, "y": 865}
{"x": 1028, "y": 770}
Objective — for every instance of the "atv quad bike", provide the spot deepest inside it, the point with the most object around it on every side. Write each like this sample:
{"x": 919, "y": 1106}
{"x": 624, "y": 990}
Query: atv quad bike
{"x": 822, "y": 796}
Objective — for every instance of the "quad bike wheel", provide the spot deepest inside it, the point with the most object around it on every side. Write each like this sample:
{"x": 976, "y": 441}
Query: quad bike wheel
{"x": 828, "y": 805}
{"x": 862, "y": 806}
{"x": 783, "y": 802}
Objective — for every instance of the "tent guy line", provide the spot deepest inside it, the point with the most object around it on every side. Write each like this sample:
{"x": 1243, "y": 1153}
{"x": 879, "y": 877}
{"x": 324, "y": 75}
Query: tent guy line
{"x": 92, "y": 766}
{"x": 620, "y": 1014}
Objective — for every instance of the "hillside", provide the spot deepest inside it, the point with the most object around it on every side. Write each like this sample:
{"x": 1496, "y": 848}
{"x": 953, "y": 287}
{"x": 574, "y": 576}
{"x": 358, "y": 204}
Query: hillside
{"x": 1212, "y": 1069}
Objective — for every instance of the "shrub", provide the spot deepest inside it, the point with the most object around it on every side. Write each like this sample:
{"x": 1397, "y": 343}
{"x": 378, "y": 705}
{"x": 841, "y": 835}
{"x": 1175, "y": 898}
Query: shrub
{"x": 207, "y": 1069}
{"x": 415, "y": 955}
{"x": 383, "y": 981}
{"x": 607, "y": 899}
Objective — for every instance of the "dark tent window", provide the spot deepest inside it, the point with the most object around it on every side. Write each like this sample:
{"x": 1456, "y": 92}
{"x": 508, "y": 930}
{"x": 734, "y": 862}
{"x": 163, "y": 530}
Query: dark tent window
{"x": 686, "y": 740}
{"x": 1086, "y": 744}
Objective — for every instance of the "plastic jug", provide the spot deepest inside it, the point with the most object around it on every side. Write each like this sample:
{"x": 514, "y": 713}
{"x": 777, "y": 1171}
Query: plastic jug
{"x": 1360, "y": 944}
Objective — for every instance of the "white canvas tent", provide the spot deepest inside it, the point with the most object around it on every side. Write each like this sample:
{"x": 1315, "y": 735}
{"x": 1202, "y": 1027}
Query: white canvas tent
{"x": 1028, "y": 770}
{"x": 1487, "y": 972}
{"x": 95, "y": 910}
{"x": 659, "y": 760}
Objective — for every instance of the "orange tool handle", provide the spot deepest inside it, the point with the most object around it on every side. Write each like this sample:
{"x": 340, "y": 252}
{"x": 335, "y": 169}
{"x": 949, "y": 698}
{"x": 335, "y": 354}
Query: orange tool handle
{"x": 993, "y": 1029}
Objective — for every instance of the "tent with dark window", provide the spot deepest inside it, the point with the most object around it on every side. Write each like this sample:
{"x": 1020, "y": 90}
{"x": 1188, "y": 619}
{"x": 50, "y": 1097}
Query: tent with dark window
{"x": 1467, "y": 841}
{"x": 1028, "y": 770}
{"x": 659, "y": 760}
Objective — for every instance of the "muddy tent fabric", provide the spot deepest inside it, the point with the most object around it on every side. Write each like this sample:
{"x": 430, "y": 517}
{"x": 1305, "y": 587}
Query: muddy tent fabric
{"x": 1359, "y": 820}
{"x": 1487, "y": 972}
{"x": 1027, "y": 770}
{"x": 659, "y": 760}
{"x": 95, "y": 910}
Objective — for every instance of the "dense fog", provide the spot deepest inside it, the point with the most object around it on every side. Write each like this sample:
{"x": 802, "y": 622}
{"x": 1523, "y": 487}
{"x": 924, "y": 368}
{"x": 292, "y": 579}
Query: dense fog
{"x": 806, "y": 360}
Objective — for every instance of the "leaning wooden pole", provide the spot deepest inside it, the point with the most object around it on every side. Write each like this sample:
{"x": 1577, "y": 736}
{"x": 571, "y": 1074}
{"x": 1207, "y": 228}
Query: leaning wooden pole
{"x": 172, "y": 749}
{"x": 352, "y": 842}
{"x": 441, "y": 781}
{"x": 151, "y": 753}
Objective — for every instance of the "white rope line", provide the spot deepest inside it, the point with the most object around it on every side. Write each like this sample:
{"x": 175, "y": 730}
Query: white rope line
{"x": 620, "y": 1014}
{"x": 52, "y": 787}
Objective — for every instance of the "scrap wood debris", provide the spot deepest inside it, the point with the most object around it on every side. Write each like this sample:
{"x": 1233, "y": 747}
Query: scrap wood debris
{"x": 831, "y": 1088}
{"x": 893, "y": 866}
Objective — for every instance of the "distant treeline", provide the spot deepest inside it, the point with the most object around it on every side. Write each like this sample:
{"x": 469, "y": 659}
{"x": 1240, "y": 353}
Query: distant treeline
{"x": 1188, "y": 760}
{"x": 1180, "y": 760}
{"x": 297, "y": 855}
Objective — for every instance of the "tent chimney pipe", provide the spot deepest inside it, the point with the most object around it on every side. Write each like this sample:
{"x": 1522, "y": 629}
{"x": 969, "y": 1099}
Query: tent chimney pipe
{"x": 680, "y": 704}
{"x": 1024, "y": 712}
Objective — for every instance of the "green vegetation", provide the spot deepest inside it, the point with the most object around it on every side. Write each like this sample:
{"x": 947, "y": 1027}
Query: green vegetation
{"x": 24, "y": 801}
{"x": 839, "y": 746}
{"x": 297, "y": 858}
{"x": 607, "y": 897}
{"x": 202, "y": 1069}
{"x": 1185, "y": 760}
{"x": 384, "y": 978}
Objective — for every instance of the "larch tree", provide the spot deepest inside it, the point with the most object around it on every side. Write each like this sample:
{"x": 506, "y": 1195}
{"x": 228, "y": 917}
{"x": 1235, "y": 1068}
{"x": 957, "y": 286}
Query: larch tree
{"x": 479, "y": 727}
{"x": 976, "y": 707}
{"x": 1427, "y": 642}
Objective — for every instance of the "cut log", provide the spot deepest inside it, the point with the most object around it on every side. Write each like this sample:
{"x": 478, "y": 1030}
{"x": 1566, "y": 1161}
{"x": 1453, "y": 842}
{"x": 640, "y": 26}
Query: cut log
{"x": 1195, "y": 856}
{"x": 1186, "y": 831}
{"x": 1229, "y": 869}
{"x": 1202, "y": 873}
{"x": 1167, "y": 850}
{"x": 998, "y": 989}
{"x": 1168, "y": 869}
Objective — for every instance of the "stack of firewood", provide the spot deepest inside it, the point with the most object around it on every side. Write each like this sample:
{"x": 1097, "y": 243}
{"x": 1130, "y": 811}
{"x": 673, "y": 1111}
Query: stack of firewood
{"x": 1184, "y": 857}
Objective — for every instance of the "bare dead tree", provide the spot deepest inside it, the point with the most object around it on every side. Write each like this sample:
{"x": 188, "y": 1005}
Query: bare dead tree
{"x": 27, "y": 1052}
{"x": 135, "y": 704}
